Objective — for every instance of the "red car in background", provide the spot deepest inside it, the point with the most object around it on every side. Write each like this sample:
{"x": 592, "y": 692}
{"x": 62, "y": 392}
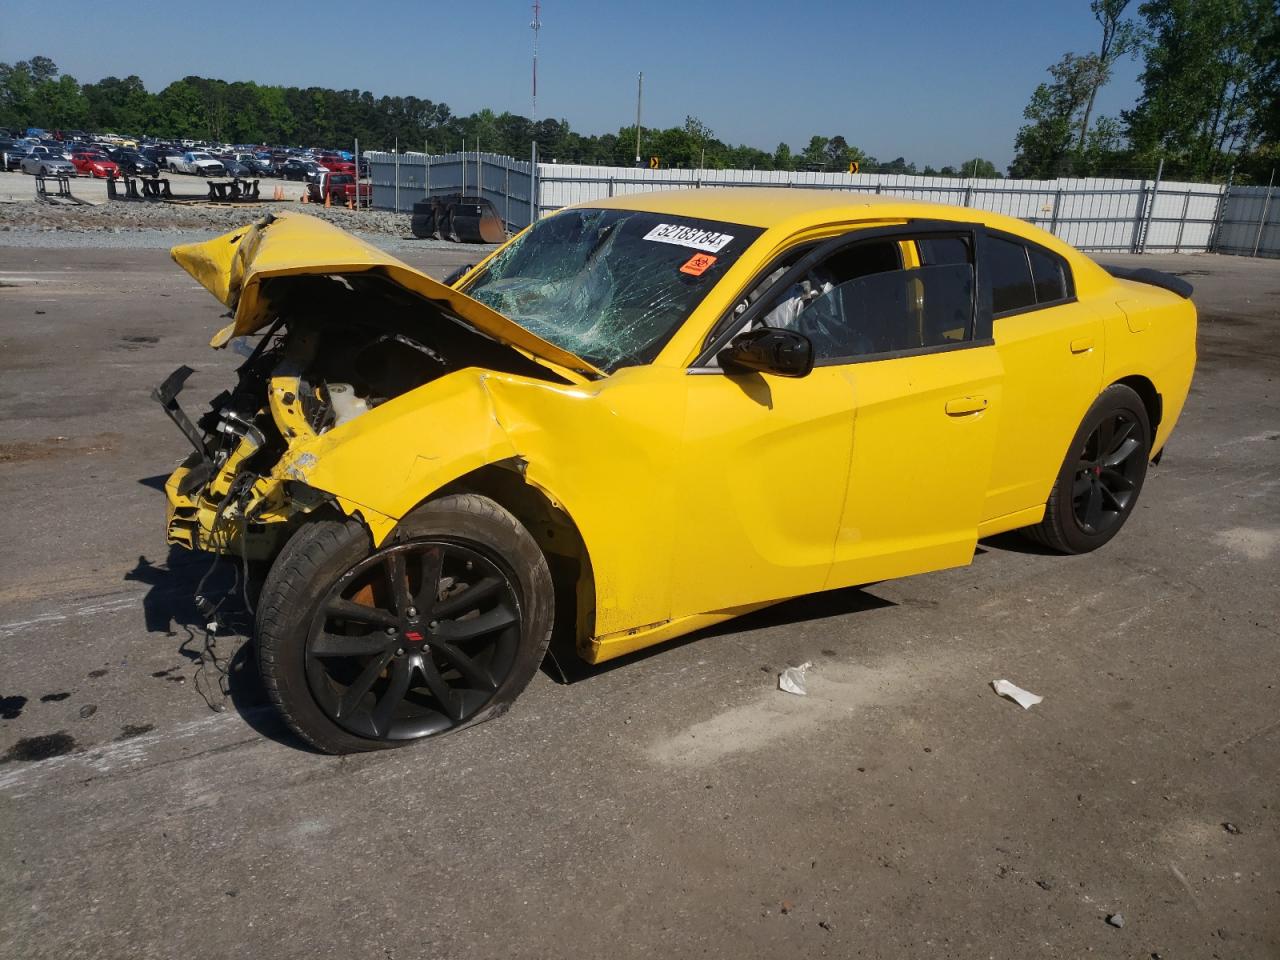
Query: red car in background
{"x": 94, "y": 163}
{"x": 341, "y": 187}
{"x": 335, "y": 164}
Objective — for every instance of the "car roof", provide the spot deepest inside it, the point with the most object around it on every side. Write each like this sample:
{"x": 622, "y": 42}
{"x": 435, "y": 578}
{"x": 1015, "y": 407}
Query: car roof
{"x": 793, "y": 209}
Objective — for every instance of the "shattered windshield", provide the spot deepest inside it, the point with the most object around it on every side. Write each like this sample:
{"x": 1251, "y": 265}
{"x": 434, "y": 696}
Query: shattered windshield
{"x": 610, "y": 286}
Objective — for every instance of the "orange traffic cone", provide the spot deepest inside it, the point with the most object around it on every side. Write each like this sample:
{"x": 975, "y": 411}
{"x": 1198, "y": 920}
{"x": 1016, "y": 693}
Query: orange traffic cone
{"x": 328, "y": 198}
{"x": 305, "y": 198}
{"x": 351, "y": 204}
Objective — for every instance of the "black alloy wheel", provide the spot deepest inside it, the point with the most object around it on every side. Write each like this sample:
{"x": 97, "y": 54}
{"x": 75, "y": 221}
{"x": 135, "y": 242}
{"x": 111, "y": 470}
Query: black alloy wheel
{"x": 1108, "y": 472}
{"x": 368, "y": 648}
{"x": 1101, "y": 477}
{"x": 413, "y": 640}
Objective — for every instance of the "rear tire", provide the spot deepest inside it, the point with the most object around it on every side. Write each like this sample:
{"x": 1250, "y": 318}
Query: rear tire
{"x": 1100, "y": 479}
{"x": 355, "y": 663}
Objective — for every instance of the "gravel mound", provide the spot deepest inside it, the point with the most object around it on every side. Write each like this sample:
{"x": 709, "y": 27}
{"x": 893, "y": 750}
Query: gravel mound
{"x": 120, "y": 216}
{"x": 162, "y": 225}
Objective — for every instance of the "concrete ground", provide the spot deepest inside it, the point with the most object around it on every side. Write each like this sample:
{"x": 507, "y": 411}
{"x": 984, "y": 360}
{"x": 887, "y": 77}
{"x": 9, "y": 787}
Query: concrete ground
{"x": 674, "y": 804}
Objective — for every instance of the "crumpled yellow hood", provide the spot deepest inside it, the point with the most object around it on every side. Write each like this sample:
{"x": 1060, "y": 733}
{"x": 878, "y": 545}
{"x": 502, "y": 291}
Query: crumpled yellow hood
{"x": 232, "y": 267}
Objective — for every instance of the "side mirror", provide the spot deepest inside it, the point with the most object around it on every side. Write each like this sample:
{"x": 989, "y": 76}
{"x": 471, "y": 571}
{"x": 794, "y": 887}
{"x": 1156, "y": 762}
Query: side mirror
{"x": 769, "y": 350}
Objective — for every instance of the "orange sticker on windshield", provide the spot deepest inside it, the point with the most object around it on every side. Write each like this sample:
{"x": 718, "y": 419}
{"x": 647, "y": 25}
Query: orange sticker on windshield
{"x": 698, "y": 264}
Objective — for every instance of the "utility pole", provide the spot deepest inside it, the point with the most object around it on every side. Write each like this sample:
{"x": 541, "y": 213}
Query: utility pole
{"x": 536, "y": 26}
{"x": 639, "y": 97}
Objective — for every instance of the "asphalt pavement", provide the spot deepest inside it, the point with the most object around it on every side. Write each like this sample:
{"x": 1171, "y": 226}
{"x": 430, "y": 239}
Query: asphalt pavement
{"x": 672, "y": 804}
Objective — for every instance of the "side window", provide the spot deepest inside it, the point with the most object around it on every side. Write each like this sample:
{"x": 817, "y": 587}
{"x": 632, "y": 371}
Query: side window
{"x": 935, "y": 251}
{"x": 1012, "y": 287}
{"x": 861, "y": 301}
{"x": 1047, "y": 271}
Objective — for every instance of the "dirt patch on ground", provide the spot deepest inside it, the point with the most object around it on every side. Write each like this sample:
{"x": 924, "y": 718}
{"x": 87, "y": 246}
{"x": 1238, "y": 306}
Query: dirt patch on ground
{"x": 27, "y": 451}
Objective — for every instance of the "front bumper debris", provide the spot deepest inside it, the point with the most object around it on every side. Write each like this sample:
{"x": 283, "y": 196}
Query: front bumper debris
{"x": 217, "y": 500}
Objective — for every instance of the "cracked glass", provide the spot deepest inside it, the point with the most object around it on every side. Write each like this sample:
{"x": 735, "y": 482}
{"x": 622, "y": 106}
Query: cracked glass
{"x": 611, "y": 286}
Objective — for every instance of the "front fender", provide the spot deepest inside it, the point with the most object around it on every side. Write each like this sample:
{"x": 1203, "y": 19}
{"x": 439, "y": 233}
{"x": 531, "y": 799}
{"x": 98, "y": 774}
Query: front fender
{"x": 382, "y": 464}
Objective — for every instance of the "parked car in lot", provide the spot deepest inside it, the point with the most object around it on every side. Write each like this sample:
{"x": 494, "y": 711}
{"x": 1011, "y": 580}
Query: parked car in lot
{"x": 253, "y": 166}
{"x": 14, "y": 155}
{"x": 161, "y": 155}
{"x": 134, "y": 163}
{"x": 10, "y": 153}
{"x": 94, "y": 163}
{"x": 41, "y": 161}
{"x": 643, "y": 416}
{"x": 297, "y": 169}
{"x": 197, "y": 162}
{"x": 335, "y": 164}
{"x": 341, "y": 188}
{"x": 234, "y": 168}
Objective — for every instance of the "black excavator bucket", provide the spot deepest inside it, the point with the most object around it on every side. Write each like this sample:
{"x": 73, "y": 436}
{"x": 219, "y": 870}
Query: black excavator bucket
{"x": 457, "y": 217}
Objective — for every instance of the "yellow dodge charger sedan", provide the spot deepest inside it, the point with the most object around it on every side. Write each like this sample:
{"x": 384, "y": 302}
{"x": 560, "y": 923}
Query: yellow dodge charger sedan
{"x": 642, "y": 416}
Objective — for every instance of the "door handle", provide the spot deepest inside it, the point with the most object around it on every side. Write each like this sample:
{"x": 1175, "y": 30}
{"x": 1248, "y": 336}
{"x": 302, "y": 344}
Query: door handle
{"x": 1082, "y": 344}
{"x": 960, "y": 406}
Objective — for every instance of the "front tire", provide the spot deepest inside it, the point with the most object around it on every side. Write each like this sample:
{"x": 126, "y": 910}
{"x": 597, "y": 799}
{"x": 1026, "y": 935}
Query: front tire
{"x": 1100, "y": 479}
{"x": 438, "y": 629}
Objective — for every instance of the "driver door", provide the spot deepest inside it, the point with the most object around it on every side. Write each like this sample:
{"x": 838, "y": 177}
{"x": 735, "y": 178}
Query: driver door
{"x": 763, "y": 483}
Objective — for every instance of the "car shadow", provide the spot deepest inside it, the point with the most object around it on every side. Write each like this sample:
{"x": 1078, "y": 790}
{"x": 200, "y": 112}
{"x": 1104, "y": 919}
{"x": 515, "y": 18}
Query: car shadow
{"x": 565, "y": 666}
{"x": 1014, "y": 542}
{"x": 226, "y": 670}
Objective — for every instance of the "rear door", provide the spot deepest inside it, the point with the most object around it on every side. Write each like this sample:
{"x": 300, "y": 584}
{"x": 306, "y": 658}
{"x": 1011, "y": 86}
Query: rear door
{"x": 1051, "y": 348}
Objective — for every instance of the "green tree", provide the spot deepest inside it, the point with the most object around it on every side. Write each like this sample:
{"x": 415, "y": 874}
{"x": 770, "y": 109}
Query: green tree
{"x": 1043, "y": 145}
{"x": 114, "y": 104}
{"x": 61, "y": 103}
{"x": 16, "y": 84}
{"x": 32, "y": 92}
{"x": 1202, "y": 82}
{"x": 814, "y": 156}
{"x": 1120, "y": 38}
{"x": 179, "y": 111}
{"x": 977, "y": 168}
{"x": 1263, "y": 133}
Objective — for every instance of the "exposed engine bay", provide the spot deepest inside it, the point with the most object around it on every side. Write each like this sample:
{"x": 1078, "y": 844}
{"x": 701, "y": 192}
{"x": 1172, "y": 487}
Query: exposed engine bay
{"x": 338, "y": 346}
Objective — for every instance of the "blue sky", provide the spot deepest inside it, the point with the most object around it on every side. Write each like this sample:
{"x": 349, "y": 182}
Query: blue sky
{"x": 935, "y": 82}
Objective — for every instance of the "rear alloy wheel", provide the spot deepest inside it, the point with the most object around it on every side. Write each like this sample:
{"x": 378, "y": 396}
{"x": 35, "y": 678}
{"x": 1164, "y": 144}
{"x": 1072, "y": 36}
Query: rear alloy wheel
{"x": 1102, "y": 476}
{"x": 438, "y": 629}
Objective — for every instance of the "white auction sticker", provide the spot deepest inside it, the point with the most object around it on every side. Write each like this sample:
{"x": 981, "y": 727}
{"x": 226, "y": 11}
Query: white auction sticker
{"x": 693, "y": 237}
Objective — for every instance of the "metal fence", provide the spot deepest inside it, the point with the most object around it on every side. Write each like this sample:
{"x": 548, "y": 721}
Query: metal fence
{"x": 1250, "y": 223}
{"x": 1098, "y": 215}
{"x": 401, "y": 179}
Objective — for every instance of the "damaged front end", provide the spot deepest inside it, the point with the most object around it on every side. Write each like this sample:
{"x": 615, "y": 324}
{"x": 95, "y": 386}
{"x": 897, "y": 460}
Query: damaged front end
{"x": 331, "y": 329}
{"x": 237, "y": 491}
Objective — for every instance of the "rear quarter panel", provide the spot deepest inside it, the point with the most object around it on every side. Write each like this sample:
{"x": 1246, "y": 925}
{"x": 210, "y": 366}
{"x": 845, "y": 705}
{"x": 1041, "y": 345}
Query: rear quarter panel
{"x": 1151, "y": 333}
